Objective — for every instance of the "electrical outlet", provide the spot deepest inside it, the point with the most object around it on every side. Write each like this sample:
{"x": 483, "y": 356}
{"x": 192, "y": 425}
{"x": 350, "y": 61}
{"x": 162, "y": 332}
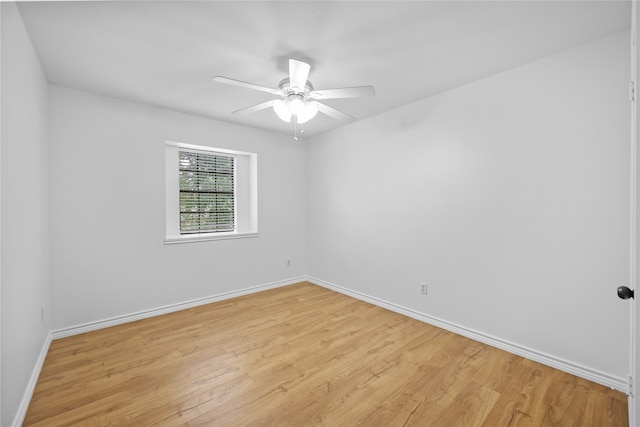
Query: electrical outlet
{"x": 423, "y": 288}
{"x": 288, "y": 263}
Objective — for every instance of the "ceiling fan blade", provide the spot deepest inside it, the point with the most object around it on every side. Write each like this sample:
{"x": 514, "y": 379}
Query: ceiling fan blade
{"x": 345, "y": 92}
{"x": 298, "y": 73}
{"x": 240, "y": 83}
{"x": 336, "y": 114}
{"x": 255, "y": 108}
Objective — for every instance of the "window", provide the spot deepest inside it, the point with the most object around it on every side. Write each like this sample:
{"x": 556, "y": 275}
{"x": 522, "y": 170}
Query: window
{"x": 211, "y": 193}
{"x": 207, "y": 195}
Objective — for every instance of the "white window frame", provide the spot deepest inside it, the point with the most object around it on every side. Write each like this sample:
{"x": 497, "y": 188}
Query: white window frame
{"x": 246, "y": 195}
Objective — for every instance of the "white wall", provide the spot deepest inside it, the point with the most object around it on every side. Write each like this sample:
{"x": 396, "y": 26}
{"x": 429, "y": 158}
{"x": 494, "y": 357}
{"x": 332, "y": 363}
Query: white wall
{"x": 509, "y": 196}
{"x": 25, "y": 211}
{"x": 108, "y": 210}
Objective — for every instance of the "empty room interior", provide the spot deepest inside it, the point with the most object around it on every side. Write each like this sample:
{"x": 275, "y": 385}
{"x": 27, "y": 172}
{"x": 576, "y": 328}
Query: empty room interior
{"x": 348, "y": 213}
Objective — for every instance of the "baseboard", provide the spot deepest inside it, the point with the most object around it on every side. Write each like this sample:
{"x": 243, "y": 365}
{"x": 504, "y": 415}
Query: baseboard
{"x": 119, "y": 320}
{"x": 31, "y": 385}
{"x": 546, "y": 359}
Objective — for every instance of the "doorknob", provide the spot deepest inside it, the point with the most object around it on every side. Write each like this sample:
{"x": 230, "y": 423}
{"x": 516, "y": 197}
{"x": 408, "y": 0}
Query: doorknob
{"x": 624, "y": 292}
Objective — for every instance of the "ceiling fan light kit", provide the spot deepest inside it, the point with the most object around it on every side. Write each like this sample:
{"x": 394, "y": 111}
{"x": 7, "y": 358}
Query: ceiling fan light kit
{"x": 298, "y": 104}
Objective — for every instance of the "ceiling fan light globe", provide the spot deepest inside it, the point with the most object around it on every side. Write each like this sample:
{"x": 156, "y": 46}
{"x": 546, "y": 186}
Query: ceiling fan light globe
{"x": 282, "y": 110}
{"x": 309, "y": 112}
{"x": 297, "y": 106}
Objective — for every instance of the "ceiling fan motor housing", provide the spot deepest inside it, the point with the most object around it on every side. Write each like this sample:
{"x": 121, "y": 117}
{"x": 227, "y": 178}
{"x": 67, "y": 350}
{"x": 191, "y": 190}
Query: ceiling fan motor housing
{"x": 287, "y": 90}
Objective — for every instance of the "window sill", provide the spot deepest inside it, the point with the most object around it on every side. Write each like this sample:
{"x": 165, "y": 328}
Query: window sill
{"x": 172, "y": 240}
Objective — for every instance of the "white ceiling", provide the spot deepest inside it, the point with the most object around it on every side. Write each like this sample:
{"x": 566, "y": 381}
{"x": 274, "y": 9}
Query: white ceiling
{"x": 165, "y": 53}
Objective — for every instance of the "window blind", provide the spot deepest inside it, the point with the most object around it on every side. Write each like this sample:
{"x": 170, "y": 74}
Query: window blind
{"x": 207, "y": 196}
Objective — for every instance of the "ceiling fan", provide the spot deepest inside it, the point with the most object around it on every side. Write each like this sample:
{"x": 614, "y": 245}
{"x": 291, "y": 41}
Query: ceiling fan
{"x": 298, "y": 103}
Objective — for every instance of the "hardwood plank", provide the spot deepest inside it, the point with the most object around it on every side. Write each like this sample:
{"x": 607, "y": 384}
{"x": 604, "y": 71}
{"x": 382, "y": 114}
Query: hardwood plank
{"x": 303, "y": 355}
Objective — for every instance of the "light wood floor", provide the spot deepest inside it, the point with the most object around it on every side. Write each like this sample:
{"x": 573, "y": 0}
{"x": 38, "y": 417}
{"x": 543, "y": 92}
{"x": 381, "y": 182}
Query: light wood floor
{"x": 303, "y": 355}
